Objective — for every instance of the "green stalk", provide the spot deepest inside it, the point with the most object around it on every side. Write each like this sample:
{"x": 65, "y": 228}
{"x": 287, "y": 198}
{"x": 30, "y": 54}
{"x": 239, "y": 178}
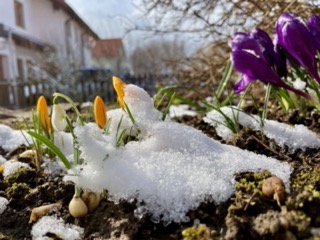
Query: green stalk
{"x": 73, "y": 105}
{"x": 223, "y": 83}
{"x": 265, "y": 104}
{"x": 51, "y": 147}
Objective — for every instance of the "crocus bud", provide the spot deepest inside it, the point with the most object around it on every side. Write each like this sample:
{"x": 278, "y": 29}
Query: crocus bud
{"x": 42, "y": 113}
{"x": 99, "y": 110}
{"x": 119, "y": 86}
{"x": 295, "y": 38}
{"x": 58, "y": 117}
{"x": 314, "y": 27}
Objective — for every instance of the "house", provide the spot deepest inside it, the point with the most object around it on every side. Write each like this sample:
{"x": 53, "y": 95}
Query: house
{"x": 39, "y": 39}
{"x": 109, "y": 54}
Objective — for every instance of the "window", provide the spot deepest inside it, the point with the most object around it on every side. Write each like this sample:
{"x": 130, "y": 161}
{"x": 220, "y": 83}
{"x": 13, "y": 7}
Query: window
{"x": 18, "y": 11}
{"x": 20, "y": 69}
{"x": 1, "y": 68}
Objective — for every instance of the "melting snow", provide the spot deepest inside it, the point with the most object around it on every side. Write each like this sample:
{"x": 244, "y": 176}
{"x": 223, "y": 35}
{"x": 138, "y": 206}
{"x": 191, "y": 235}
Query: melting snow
{"x": 12, "y": 166}
{"x": 11, "y": 139}
{"x": 295, "y": 137}
{"x": 171, "y": 169}
{"x": 180, "y": 111}
{"x": 3, "y": 204}
{"x": 55, "y": 225}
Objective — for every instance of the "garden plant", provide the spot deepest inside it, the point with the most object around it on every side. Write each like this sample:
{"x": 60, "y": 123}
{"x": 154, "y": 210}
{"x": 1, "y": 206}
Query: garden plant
{"x": 137, "y": 170}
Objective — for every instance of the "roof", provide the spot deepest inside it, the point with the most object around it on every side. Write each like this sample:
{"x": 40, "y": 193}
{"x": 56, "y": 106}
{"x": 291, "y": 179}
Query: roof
{"x": 57, "y": 4}
{"x": 22, "y": 39}
{"x": 108, "y": 48}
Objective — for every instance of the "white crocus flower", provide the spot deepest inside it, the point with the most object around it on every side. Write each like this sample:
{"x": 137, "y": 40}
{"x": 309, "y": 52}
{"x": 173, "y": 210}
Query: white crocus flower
{"x": 58, "y": 118}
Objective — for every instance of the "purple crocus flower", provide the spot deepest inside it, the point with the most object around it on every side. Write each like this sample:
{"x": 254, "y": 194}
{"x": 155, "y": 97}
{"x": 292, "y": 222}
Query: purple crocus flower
{"x": 295, "y": 38}
{"x": 248, "y": 59}
{"x": 271, "y": 53}
{"x": 314, "y": 27}
{"x": 254, "y": 68}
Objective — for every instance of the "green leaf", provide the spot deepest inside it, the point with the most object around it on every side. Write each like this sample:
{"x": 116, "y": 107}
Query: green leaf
{"x": 52, "y": 147}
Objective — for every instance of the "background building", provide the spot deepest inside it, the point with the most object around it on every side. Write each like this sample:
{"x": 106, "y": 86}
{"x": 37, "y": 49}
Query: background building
{"x": 40, "y": 41}
{"x": 109, "y": 54}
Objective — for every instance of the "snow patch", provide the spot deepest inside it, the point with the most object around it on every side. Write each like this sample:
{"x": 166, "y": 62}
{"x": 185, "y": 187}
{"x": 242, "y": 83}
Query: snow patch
{"x": 171, "y": 169}
{"x": 3, "y": 204}
{"x": 55, "y": 225}
{"x": 295, "y": 137}
{"x": 12, "y": 166}
{"x": 11, "y": 139}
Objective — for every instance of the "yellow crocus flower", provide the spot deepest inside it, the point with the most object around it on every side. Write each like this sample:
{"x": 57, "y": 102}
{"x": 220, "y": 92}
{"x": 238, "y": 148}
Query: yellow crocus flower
{"x": 119, "y": 86}
{"x": 99, "y": 110}
{"x": 42, "y": 113}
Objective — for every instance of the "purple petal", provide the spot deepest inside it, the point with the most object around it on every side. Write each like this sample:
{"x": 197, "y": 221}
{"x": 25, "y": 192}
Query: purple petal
{"x": 254, "y": 68}
{"x": 275, "y": 58}
{"x": 243, "y": 41}
{"x": 242, "y": 84}
{"x": 295, "y": 38}
{"x": 314, "y": 27}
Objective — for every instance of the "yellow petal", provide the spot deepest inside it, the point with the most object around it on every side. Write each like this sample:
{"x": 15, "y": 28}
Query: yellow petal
{"x": 99, "y": 110}
{"x": 119, "y": 86}
{"x": 42, "y": 113}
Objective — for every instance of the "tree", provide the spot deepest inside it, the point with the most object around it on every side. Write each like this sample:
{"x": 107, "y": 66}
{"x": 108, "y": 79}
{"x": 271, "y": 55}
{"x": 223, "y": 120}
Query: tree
{"x": 215, "y": 21}
{"x": 157, "y": 56}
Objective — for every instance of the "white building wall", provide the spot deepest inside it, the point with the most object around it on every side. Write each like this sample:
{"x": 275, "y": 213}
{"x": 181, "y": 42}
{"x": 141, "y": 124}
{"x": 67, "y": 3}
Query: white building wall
{"x": 7, "y": 12}
{"x": 47, "y": 25}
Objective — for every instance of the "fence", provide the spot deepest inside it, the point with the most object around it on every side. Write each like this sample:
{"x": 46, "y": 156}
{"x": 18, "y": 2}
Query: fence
{"x": 22, "y": 94}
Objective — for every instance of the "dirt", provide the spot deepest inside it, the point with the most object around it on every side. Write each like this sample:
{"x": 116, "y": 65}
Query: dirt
{"x": 248, "y": 214}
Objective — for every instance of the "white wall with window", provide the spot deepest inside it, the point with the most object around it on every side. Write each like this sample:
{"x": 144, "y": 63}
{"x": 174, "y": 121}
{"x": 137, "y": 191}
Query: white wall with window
{"x": 31, "y": 27}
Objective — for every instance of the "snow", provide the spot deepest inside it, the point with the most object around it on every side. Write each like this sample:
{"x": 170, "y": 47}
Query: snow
{"x": 2, "y": 159}
{"x": 11, "y": 139}
{"x": 55, "y": 225}
{"x": 295, "y": 137}
{"x": 53, "y": 168}
{"x": 171, "y": 169}
{"x": 12, "y": 166}
{"x": 3, "y": 204}
{"x": 180, "y": 111}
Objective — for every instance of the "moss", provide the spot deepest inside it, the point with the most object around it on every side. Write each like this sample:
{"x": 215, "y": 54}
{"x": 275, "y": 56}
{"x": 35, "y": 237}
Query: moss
{"x": 18, "y": 190}
{"x": 4, "y": 237}
{"x": 21, "y": 175}
{"x": 251, "y": 182}
{"x": 307, "y": 185}
{"x": 196, "y": 232}
{"x": 299, "y": 222}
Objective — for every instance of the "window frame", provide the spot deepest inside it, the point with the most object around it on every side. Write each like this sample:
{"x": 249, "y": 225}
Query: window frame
{"x": 19, "y": 14}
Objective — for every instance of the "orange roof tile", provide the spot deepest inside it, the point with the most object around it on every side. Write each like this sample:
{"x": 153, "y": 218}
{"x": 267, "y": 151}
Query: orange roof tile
{"x": 108, "y": 47}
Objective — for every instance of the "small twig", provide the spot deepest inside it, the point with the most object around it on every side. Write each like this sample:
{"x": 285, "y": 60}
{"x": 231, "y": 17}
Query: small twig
{"x": 250, "y": 199}
{"x": 271, "y": 150}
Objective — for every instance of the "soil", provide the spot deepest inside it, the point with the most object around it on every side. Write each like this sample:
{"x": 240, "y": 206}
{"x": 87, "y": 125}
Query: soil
{"x": 248, "y": 214}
